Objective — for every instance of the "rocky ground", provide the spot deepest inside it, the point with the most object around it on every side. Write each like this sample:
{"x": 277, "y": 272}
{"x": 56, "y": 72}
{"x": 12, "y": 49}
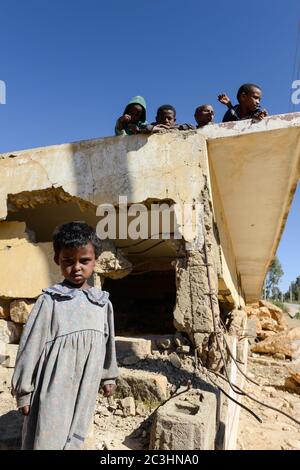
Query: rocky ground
{"x": 276, "y": 432}
{"x": 124, "y": 423}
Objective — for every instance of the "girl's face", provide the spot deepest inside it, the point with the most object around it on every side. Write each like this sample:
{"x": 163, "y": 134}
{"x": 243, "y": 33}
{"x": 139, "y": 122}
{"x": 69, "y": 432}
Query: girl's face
{"x": 77, "y": 264}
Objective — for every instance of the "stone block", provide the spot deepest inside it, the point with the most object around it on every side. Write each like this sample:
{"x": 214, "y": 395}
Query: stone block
{"x": 128, "y": 406}
{"x": 8, "y": 359}
{"x": 175, "y": 361}
{"x": 10, "y": 332}
{"x": 20, "y": 310}
{"x": 127, "y": 347}
{"x": 142, "y": 385}
{"x": 186, "y": 422}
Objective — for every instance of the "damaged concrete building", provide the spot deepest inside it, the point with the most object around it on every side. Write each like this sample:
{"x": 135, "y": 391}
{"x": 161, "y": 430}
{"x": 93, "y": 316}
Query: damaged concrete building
{"x": 237, "y": 182}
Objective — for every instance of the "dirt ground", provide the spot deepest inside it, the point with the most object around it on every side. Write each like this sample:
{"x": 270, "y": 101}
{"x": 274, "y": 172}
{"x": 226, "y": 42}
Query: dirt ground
{"x": 276, "y": 432}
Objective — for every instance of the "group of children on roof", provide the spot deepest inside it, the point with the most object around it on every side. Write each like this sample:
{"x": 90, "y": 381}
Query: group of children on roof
{"x": 133, "y": 120}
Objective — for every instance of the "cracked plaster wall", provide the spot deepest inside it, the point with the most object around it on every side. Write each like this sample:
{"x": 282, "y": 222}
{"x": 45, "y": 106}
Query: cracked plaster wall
{"x": 170, "y": 167}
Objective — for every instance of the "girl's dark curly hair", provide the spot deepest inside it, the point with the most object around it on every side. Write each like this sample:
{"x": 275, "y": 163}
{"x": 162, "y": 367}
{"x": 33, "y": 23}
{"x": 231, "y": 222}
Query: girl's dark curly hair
{"x": 74, "y": 235}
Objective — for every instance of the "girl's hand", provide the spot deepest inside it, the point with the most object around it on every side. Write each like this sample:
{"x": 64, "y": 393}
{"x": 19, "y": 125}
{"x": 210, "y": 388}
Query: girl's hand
{"x": 25, "y": 410}
{"x": 109, "y": 390}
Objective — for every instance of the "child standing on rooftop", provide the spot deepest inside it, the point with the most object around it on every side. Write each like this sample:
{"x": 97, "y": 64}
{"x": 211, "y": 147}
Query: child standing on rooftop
{"x": 66, "y": 349}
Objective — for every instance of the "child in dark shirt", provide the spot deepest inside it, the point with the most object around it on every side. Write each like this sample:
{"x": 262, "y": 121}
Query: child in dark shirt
{"x": 249, "y": 97}
{"x": 165, "y": 120}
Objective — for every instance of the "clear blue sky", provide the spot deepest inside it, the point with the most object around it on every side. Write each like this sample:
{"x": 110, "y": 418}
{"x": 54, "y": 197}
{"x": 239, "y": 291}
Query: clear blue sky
{"x": 70, "y": 66}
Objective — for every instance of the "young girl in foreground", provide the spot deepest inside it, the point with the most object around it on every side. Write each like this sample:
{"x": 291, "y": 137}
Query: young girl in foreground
{"x": 66, "y": 349}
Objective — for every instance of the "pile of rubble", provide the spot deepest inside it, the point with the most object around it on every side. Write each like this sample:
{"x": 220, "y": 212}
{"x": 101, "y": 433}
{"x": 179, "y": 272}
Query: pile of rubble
{"x": 152, "y": 370}
{"x": 272, "y": 337}
{"x": 268, "y": 319}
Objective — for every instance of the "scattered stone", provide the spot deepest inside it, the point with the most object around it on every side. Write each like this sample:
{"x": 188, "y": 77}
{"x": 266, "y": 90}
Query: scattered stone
{"x": 119, "y": 413}
{"x": 140, "y": 410}
{"x": 287, "y": 343}
{"x": 175, "y": 361}
{"x": 9, "y": 358}
{"x": 263, "y": 313}
{"x": 183, "y": 349}
{"x": 279, "y": 356}
{"x": 155, "y": 352}
{"x": 97, "y": 419}
{"x": 164, "y": 344}
{"x": 103, "y": 411}
{"x": 129, "y": 347}
{"x": 142, "y": 385}
{"x": 10, "y": 332}
{"x": 263, "y": 334}
{"x": 268, "y": 324}
{"x": 20, "y": 310}
{"x": 271, "y": 307}
{"x": 128, "y": 406}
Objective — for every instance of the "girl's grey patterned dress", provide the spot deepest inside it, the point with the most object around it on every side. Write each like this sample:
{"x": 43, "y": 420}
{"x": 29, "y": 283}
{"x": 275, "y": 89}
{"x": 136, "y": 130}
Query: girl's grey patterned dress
{"x": 66, "y": 349}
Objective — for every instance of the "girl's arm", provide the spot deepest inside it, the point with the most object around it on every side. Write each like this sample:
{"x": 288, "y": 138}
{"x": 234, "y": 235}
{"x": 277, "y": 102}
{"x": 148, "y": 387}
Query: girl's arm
{"x": 31, "y": 346}
{"x": 110, "y": 368}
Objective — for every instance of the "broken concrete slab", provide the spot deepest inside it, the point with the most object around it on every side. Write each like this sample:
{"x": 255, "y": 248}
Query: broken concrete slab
{"x": 132, "y": 347}
{"x": 185, "y": 422}
{"x": 142, "y": 385}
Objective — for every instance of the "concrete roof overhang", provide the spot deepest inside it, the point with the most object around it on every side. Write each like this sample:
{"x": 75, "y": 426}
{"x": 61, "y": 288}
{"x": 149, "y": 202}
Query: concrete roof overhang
{"x": 256, "y": 170}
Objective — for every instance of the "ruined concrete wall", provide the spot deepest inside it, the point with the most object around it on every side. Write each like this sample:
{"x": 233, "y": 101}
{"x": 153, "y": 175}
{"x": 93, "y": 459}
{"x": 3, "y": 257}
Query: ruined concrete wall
{"x": 99, "y": 171}
{"x": 197, "y": 287}
{"x": 26, "y": 268}
{"x": 171, "y": 167}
